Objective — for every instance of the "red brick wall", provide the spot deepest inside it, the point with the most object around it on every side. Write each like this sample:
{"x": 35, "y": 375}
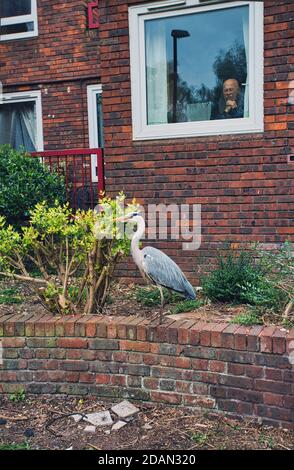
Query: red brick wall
{"x": 64, "y": 48}
{"x": 240, "y": 370}
{"x": 61, "y": 61}
{"x": 244, "y": 182}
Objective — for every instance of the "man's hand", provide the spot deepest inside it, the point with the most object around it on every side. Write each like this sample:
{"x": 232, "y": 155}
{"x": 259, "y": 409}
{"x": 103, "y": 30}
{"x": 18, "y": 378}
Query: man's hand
{"x": 230, "y": 104}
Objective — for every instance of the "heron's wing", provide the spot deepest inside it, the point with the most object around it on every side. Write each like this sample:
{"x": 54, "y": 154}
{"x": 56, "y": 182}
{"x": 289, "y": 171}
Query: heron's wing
{"x": 165, "y": 272}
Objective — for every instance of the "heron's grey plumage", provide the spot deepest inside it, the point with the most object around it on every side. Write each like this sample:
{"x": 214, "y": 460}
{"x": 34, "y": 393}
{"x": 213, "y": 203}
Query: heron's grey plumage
{"x": 164, "y": 271}
{"x": 157, "y": 266}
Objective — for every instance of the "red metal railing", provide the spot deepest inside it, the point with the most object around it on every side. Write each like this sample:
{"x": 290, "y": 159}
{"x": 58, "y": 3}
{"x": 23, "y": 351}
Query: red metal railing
{"x": 83, "y": 172}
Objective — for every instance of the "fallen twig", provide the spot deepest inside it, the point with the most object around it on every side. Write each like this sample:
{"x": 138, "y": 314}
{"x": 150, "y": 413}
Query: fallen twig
{"x": 288, "y": 309}
{"x": 63, "y": 416}
{"x": 18, "y": 418}
{"x": 284, "y": 447}
{"x": 94, "y": 447}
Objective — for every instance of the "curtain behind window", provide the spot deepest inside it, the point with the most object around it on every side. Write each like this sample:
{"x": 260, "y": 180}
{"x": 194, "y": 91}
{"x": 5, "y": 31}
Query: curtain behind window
{"x": 246, "y": 45}
{"x": 18, "y": 125}
{"x": 156, "y": 68}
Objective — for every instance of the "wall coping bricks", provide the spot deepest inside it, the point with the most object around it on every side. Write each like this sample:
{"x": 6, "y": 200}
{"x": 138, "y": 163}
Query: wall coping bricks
{"x": 243, "y": 371}
{"x": 273, "y": 339}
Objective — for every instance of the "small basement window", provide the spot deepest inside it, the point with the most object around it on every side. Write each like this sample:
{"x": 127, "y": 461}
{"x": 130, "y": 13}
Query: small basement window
{"x": 18, "y": 19}
{"x": 196, "y": 68}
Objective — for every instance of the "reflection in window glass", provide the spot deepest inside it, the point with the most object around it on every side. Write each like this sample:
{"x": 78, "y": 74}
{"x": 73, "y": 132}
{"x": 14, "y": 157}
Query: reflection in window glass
{"x": 17, "y": 28}
{"x": 18, "y": 125}
{"x": 196, "y": 66}
{"x": 15, "y": 8}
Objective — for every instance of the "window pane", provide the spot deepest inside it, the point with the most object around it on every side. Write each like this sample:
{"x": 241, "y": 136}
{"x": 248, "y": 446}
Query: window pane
{"x": 18, "y": 125}
{"x": 15, "y": 8}
{"x": 17, "y": 28}
{"x": 189, "y": 59}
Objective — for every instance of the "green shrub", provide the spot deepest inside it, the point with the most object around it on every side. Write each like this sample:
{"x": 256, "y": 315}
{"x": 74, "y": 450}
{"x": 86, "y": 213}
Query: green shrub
{"x": 62, "y": 245}
{"x": 25, "y": 181}
{"x": 278, "y": 266}
{"x": 239, "y": 278}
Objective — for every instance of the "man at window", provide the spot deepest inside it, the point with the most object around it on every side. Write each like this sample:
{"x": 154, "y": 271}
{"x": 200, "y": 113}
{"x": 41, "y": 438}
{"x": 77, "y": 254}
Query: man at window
{"x": 231, "y": 103}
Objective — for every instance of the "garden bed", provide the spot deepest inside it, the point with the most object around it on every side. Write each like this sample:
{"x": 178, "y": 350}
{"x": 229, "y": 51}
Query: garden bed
{"x": 154, "y": 427}
{"x": 130, "y": 299}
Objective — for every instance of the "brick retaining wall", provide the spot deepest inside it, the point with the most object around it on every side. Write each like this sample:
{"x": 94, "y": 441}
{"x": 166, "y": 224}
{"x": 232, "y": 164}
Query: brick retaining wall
{"x": 241, "y": 370}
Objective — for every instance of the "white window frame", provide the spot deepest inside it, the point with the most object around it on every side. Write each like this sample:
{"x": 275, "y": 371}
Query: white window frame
{"x": 22, "y": 97}
{"x": 143, "y": 131}
{"x": 32, "y": 18}
{"x": 92, "y": 92}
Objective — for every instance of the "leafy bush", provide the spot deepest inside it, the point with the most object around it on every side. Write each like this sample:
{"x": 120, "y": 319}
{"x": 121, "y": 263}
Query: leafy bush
{"x": 62, "y": 245}
{"x": 25, "y": 181}
{"x": 232, "y": 271}
{"x": 239, "y": 278}
{"x": 278, "y": 266}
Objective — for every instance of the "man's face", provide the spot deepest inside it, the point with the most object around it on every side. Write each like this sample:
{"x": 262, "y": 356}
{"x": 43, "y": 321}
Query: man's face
{"x": 231, "y": 89}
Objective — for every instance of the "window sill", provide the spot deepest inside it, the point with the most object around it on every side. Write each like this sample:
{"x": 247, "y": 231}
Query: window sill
{"x": 17, "y": 36}
{"x": 197, "y": 129}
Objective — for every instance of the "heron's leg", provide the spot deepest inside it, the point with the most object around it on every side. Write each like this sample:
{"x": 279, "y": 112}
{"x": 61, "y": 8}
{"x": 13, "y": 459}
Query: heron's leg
{"x": 155, "y": 315}
{"x": 161, "y": 303}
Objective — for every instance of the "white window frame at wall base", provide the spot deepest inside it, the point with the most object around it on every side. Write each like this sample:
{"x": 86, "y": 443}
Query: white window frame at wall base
{"x": 32, "y": 18}
{"x": 92, "y": 92}
{"x": 143, "y": 131}
{"x": 22, "y": 97}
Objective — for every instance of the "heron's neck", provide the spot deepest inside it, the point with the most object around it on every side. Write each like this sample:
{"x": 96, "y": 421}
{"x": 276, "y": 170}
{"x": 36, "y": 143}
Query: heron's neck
{"x": 135, "y": 250}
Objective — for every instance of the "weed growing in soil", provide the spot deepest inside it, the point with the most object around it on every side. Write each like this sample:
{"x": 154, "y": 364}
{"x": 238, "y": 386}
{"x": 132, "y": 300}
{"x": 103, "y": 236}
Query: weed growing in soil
{"x": 21, "y": 446}
{"x": 187, "y": 306}
{"x": 20, "y": 395}
{"x": 10, "y": 296}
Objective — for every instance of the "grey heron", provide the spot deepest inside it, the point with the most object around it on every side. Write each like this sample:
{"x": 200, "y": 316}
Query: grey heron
{"x": 155, "y": 266}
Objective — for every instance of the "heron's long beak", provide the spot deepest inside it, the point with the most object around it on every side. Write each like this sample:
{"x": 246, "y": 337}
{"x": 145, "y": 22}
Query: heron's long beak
{"x": 124, "y": 218}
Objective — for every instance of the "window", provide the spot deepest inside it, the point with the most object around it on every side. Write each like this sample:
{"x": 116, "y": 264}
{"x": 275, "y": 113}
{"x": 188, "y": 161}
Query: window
{"x": 95, "y": 123}
{"x": 21, "y": 120}
{"x": 18, "y": 19}
{"x": 196, "y": 68}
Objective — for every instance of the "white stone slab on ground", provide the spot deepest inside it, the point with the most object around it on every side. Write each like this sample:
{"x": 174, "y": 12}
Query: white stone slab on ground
{"x": 125, "y": 409}
{"x": 118, "y": 425}
{"x": 103, "y": 418}
{"x": 77, "y": 418}
{"x": 91, "y": 429}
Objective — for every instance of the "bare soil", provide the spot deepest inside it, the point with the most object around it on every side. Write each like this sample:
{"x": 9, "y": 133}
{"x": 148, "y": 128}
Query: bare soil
{"x": 45, "y": 422}
{"x": 123, "y": 303}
